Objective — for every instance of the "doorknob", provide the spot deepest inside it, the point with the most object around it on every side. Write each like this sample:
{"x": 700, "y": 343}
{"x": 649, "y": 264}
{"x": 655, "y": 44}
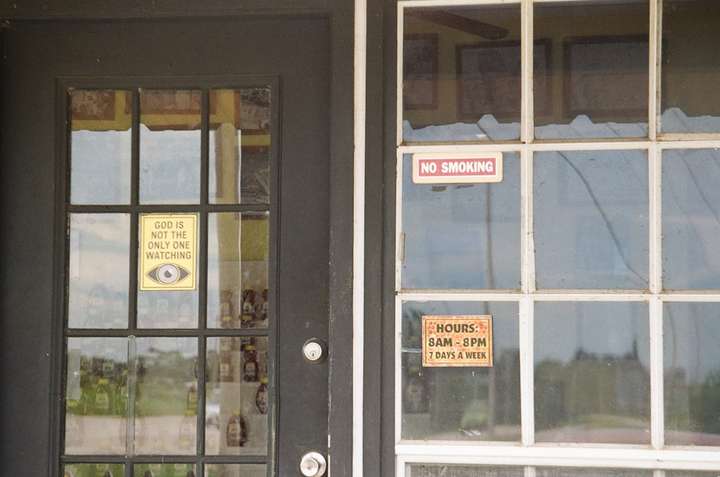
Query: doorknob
{"x": 313, "y": 464}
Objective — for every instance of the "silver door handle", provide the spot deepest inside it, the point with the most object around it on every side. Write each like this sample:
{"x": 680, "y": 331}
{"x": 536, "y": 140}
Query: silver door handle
{"x": 313, "y": 464}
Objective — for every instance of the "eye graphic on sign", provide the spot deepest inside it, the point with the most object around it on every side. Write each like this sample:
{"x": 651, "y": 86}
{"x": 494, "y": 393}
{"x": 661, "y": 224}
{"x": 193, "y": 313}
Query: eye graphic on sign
{"x": 168, "y": 273}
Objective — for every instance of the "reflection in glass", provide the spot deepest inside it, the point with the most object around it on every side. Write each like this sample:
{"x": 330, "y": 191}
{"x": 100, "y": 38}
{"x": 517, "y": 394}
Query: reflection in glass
{"x": 690, "y": 66}
{"x": 166, "y": 396}
{"x": 591, "y": 219}
{"x": 691, "y": 220}
{"x": 461, "y": 73}
{"x": 167, "y": 309}
{"x": 237, "y": 400}
{"x": 164, "y": 470}
{"x": 98, "y": 270}
{"x": 453, "y": 470}
{"x": 170, "y": 146}
{"x": 461, "y": 403}
{"x": 238, "y": 270}
{"x": 692, "y": 373}
{"x": 592, "y": 378}
{"x": 598, "y": 81}
{"x": 235, "y": 470}
{"x": 100, "y": 146}
{"x": 462, "y": 235}
{"x": 585, "y": 472}
{"x": 96, "y": 396}
{"x": 240, "y": 146}
{"x": 93, "y": 470}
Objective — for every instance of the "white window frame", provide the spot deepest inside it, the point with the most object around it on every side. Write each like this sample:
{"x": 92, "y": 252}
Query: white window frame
{"x": 656, "y": 457}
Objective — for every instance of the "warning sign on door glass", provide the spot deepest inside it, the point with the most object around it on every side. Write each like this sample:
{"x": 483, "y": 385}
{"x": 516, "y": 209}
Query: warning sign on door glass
{"x": 457, "y": 341}
{"x": 457, "y": 168}
{"x": 168, "y": 251}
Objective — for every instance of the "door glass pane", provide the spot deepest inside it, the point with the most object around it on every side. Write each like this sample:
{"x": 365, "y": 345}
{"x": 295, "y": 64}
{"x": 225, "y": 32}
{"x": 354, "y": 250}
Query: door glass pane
{"x": 461, "y": 74}
{"x": 591, "y": 219}
{"x": 96, "y": 396}
{"x": 240, "y": 141}
{"x": 691, "y": 257}
{"x": 238, "y": 270}
{"x": 165, "y": 399}
{"x": 98, "y": 270}
{"x": 235, "y": 470}
{"x": 454, "y": 470}
{"x": 690, "y": 66}
{"x": 461, "y": 403}
{"x": 462, "y": 235}
{"x": 692, "y": 373}
{"x": 597, "y": 80}
{"x": 93, "y": 470}
{"x": 100, "y": 146}
{"x": 170, "y": 146}
{"x": 237, "y": 404}
{"x": 592, "y": 373}
{"x": 164, "y": 470}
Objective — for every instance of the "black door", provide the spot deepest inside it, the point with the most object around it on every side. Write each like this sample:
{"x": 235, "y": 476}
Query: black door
{"x": 165, "y": 246}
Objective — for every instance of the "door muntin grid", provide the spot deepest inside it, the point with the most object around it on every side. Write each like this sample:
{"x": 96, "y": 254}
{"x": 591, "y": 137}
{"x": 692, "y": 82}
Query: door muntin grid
{"x": 165, "y": 367}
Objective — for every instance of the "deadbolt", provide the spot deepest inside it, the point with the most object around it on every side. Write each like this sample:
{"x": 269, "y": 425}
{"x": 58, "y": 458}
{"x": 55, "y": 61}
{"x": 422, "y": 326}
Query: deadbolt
{"x": 313, "y": 464}
{"x": 314, "y": 350}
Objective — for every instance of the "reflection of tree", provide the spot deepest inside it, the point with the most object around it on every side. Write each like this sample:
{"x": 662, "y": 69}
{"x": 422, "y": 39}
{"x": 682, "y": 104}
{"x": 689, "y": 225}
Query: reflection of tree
{"x": 692, "y": 405}
{"x": 591, "y": 386}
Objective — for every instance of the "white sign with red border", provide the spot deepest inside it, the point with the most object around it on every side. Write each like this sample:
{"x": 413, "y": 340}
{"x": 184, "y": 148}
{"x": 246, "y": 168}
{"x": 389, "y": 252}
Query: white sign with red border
{"x": 457, "y": 168}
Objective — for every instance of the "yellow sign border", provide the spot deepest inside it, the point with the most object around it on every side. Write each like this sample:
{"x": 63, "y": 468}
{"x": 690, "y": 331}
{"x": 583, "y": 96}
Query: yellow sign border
{"x": 141, "y": 264}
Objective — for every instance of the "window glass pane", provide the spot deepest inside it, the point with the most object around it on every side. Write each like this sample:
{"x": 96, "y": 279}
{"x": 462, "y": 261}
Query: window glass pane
{"x": 461, "y": 73}
{"x": 592, "y": 373}
{"x": 690, "y": 66}
{"x": 238, "y": 270}
{"x": 168, "y": 308}
{"x": 691, "y": 220}
{"x": 166, "y": 396}
{"x": 462, "y": 235}
{"x": 591, "y": 219}
{"x": 240, "y": 146}
{"x": 596, "y": 85}
{"x": 93, "y": 470}
{"x": 235, "y": 470}
{"x": 577, "y": 472}
{"x": 692, "y": 373}
{"x": 454, "y": 470}
{"x": 164, "y": 470}
{"x": 100, "y": 146}
{"x": 461, "y": 403}
{"x": 98, "y": 270}
{"x": 170, "y": 146}
{"x": 237, "y": 401}
{"x": 96, "y": 396}
{"x": 689, "y": 473}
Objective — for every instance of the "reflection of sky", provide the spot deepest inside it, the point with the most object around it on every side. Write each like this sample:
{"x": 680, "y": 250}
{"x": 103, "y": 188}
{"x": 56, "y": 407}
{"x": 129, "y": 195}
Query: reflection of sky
{"x": 100, "y": 167}
{"x": 691, "y": 337}
{"x": 447, "y": 236}
{"x": 691, "y": 218}
{"x": 600, "y": 328}
{"x": 99, "y": 266}
{"x": 186, "y": 346}
{"x": 169, "y": 166}
{"x": 591, "y": 219}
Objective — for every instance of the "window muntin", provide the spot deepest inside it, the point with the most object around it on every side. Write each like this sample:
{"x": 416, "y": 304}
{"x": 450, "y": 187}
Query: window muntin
{"x": 139, "y": 365}
{"x": 652, "y": 293}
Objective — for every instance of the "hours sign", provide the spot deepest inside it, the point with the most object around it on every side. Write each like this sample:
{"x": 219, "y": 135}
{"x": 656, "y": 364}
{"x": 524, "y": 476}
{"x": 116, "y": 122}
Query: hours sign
{"x": 457, "y": 341}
